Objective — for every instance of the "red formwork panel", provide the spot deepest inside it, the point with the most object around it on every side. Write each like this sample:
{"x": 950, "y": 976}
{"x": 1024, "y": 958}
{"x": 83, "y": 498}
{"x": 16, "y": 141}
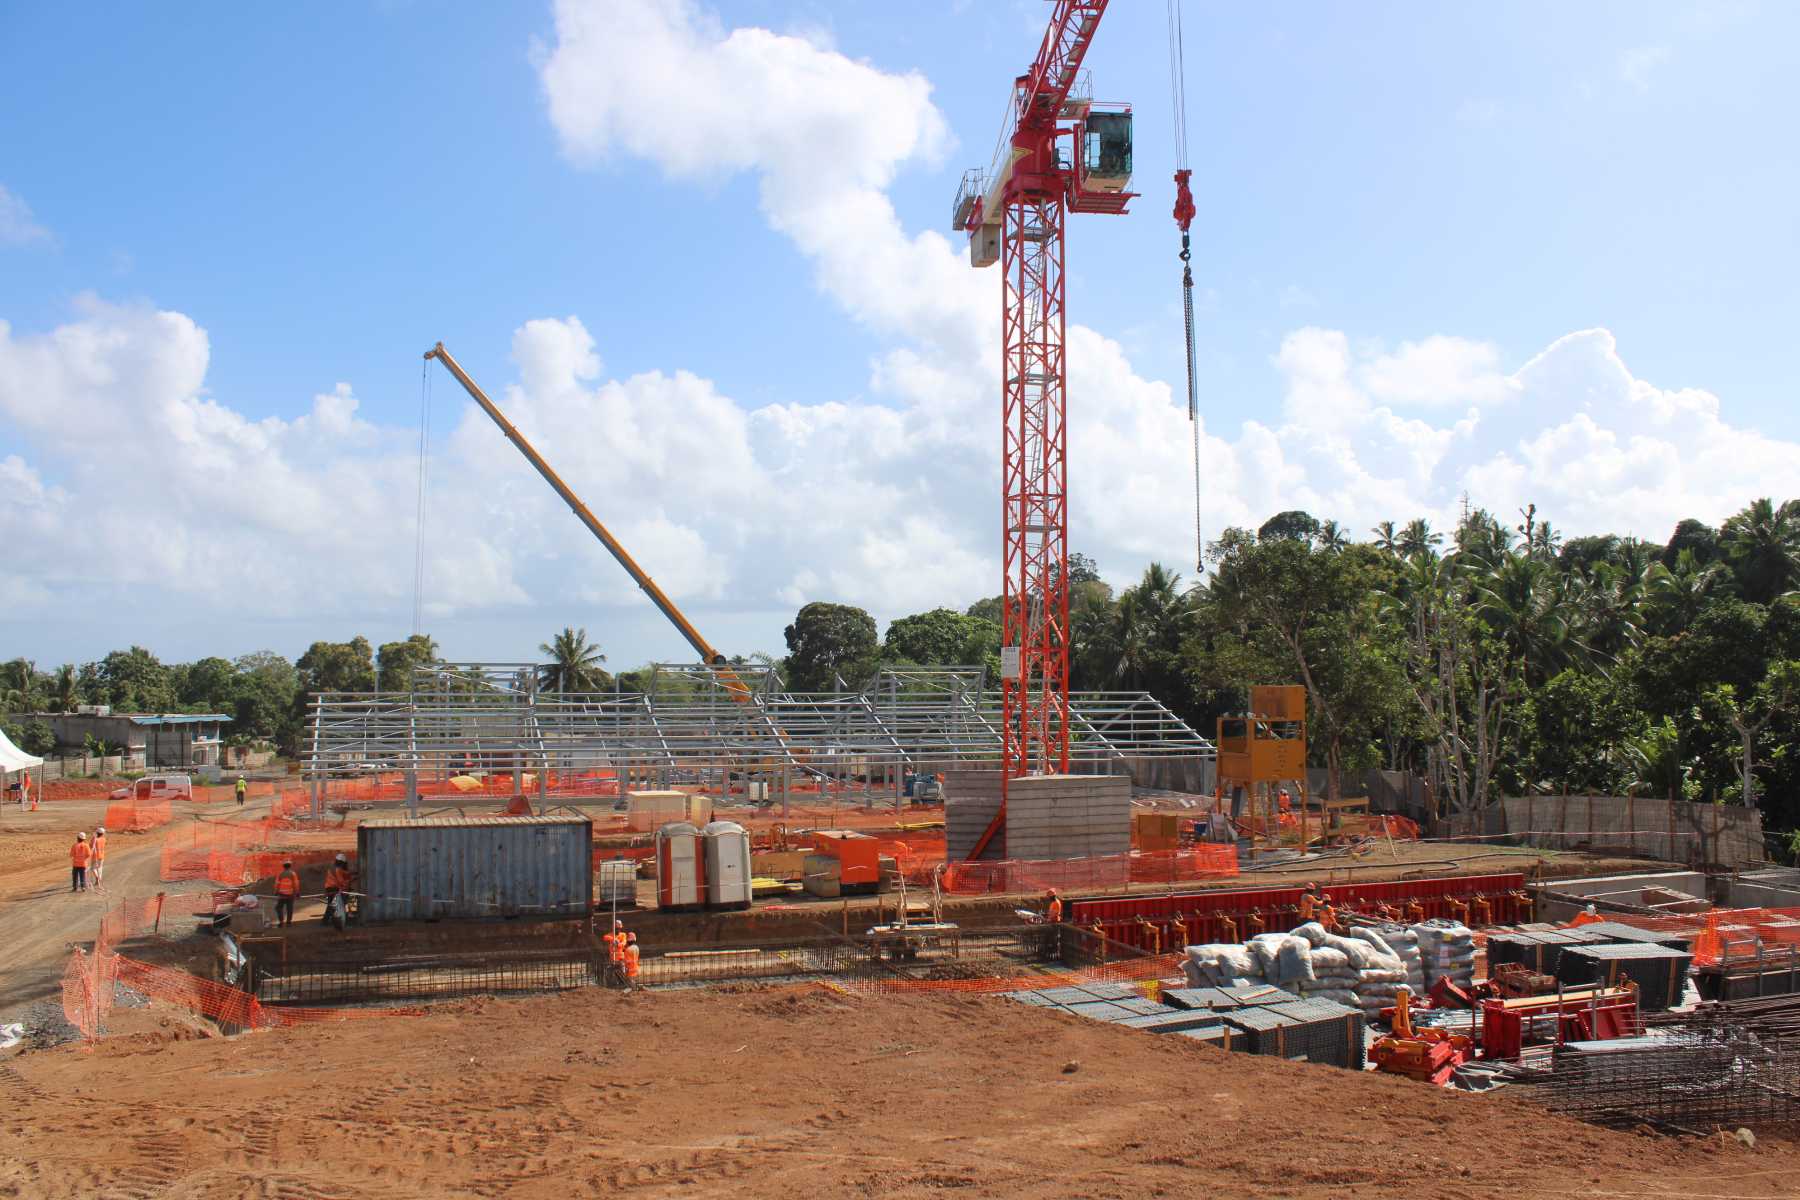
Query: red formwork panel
{"x": 1141, "y": 920}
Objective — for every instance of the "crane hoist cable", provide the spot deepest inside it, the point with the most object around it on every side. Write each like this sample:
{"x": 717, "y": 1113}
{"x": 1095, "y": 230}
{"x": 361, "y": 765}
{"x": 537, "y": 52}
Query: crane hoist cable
{"x": 418, "y": 614}
{"x": 1184, "y": 217}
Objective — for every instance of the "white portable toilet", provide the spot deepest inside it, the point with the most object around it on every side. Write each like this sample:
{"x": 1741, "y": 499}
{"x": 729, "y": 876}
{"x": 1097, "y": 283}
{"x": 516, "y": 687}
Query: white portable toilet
{"x": 680, "y": 867}
{"x": 727, "y": 865}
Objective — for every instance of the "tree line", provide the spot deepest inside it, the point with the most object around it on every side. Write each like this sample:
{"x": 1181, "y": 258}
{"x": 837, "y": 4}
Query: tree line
{"x": 1498, "y": 657}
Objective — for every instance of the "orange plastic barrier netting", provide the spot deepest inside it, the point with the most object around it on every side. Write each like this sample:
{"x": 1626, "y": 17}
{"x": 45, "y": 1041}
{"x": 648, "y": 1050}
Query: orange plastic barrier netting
{"x": 1104, "y": 871}
{"x": 88, "y": 982}
{"x": 239, "y": 852}
{"x": 137, "y": 816}
{"x": 1727, "y": 934}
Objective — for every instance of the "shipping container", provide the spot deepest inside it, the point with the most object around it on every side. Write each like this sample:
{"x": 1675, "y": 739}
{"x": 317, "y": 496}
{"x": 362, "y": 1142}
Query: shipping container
{"x": 475, "y": 867}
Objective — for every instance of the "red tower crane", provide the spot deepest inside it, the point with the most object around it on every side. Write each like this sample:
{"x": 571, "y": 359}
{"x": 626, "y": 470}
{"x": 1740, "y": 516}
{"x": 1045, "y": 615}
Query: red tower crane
{"x": 1064, "y": 153}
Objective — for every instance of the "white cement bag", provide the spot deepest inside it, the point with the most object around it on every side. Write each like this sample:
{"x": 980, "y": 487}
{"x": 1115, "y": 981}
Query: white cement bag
{"x": 1326, "y": 959}
{"x": 1374, "y": 939}
{"x": 1230, "y": 955}
{"x": 1313, "y": 932}
{"x": 1294, "y": 963}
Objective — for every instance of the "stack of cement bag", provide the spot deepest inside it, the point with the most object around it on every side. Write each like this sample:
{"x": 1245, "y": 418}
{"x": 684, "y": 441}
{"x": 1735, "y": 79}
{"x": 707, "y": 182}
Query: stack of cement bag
{"x": 1448, "y": 951}
{"x": 1361, "y": 970}
{"x": 1405, "y": 943}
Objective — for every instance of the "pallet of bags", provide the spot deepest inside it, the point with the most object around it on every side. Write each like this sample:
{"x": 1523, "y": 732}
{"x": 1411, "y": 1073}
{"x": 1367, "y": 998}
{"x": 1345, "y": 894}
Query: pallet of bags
{"x": 1405, "y": 943}
{"x": 1225, "y": 964}
{"x": 1371, "y": 968}
{"x": 1447, "y": 949}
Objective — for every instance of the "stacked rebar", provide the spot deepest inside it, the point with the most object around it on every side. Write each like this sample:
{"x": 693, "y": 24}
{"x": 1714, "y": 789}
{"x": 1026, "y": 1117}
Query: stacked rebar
{"x": 1690, "y": 1080}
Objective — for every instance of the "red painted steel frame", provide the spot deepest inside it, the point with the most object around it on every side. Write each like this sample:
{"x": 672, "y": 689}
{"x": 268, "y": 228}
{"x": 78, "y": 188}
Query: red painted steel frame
{"x": 1034, "y": 465}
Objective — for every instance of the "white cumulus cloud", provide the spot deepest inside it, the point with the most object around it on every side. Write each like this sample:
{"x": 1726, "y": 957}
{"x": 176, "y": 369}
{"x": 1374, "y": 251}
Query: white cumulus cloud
{"x": 890, "y": 501}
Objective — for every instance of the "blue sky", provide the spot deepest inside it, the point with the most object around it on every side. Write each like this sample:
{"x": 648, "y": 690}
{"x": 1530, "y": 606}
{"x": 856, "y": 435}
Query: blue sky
{"x": 325, "y": 198}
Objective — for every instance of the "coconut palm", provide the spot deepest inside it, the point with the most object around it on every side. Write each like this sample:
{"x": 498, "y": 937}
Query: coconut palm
{"x": 574, "y": 664}
{"x": 1762, "y": 544}
{"x": 65, "y": 689}
{"x": 1417, "y": 538}
{"x": 1332, "y": 537}
{"x": 1675, "y": 595}
{"x": 1387, "y": 537}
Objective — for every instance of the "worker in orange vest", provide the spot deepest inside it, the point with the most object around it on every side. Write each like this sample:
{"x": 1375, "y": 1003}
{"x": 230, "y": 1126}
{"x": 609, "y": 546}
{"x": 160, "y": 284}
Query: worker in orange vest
{"x": 615, "y": 951}
{"x": 337, "y": 879}
{"x": 98, "y": 862}
{"x": 1327, "y": 914}
{"x": 79, "y": 854}
{"x": 1590, "y": 917}
{"x": 287, "y": 890}
{"x": 1053, "y": 911}
{"x": 1309, "y": 903}
{"x": 631, "y": 960}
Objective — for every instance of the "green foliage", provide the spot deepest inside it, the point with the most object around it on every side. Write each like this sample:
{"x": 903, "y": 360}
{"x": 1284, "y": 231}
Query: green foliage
{"x": 826, "y": 641}
{"x": 36, "y": 738}
{"x": 395, "y": 662}
{"x": 942, "y": 637}
{"x": 574, "y": 664}
{"x": 133, "y": 680}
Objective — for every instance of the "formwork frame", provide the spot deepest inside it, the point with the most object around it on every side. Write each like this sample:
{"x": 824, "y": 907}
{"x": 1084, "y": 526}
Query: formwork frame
{"x": 685, "y": 727}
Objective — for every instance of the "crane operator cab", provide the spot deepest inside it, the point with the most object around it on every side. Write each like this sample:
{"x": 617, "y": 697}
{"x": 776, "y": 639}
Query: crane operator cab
{"x": 1106, "y": 151}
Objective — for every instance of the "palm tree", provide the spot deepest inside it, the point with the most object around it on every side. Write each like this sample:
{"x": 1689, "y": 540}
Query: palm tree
{"x": 1332, "y": 537}
{"x": 574, "y": 664}
{"x": 65, "y": 690}
{"x": 1675, "y": 595}
{"x": 1762, "y": 544}
{"x": 1522, "y": 602}
{"x": 1387, "y": 537}
{"x": 19, "y": 686}
{"x": 1417, "y": 538}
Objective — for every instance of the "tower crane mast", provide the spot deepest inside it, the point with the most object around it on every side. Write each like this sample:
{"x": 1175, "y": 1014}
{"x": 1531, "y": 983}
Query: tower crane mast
{"x": 1014, "y": 214}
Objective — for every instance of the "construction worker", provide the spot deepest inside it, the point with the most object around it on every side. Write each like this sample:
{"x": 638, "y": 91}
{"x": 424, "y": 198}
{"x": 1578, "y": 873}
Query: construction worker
{"x": 1309, "y": 903}
{"x": 243, "y": 788}
{"x": 79, "y": 854}
{"x": 98, "y": 862}
{"x": 1053, "y": 911}
{"x": 1589, "y": 917}
{"x": 337, "y": 879}
{"x": 615, "y": 950}
{"x": 1327, "y": 914}
{"x": 631, "y": 961}
{"x": 287, "y": 890}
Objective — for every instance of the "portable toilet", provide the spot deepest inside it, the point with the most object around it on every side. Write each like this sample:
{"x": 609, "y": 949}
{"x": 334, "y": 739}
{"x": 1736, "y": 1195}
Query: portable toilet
{"x": 680, "y": 867}
{"x": 727, "y": 865}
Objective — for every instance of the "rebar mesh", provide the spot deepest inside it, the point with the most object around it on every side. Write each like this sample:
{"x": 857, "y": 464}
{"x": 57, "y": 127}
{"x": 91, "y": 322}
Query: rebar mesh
{"x": 1688, "y": 1081}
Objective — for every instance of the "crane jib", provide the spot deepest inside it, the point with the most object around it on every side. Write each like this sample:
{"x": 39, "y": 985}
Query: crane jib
{"x": 711, "y": 657}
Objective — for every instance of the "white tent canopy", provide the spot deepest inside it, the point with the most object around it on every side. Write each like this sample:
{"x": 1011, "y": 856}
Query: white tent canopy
{"x": 14, "y": 759}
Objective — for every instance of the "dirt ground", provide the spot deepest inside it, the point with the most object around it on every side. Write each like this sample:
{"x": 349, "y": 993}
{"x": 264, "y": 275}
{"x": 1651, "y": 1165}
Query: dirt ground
{"x": 40, "y": 918}
{"x": 788, "y": 1091}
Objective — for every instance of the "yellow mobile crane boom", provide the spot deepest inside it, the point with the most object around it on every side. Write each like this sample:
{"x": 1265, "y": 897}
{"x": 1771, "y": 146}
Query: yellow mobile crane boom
{"x": 727, "y": 677}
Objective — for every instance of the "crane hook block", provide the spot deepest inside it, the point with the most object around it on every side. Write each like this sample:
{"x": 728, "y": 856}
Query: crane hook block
{"x": 1184, "y": 200}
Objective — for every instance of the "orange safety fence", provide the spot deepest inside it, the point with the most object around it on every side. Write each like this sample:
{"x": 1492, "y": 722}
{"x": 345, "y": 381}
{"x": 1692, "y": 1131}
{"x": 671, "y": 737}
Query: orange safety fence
{"x": 1205, "y": 861}
{"x": 240, "y": 852}
{"x": 137, "y": 816}
{"x": 1726, "y": 935}
{"x": 89, "y": 979}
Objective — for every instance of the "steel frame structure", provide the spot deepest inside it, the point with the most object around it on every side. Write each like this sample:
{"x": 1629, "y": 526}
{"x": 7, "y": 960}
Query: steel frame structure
{"x": 1022, "y": 203}
{"x": 688, "y": 727}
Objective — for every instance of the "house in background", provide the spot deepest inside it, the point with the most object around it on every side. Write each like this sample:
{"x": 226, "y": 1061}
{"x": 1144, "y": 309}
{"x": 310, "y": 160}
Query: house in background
{"x": 148, "y": 740}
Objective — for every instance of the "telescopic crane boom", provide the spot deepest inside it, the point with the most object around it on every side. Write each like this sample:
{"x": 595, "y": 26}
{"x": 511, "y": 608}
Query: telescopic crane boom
{"x": 727, "y": 677}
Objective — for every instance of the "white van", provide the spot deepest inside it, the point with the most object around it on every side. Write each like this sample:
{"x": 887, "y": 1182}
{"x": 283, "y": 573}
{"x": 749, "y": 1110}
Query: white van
{"x": 158, "y": 787}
